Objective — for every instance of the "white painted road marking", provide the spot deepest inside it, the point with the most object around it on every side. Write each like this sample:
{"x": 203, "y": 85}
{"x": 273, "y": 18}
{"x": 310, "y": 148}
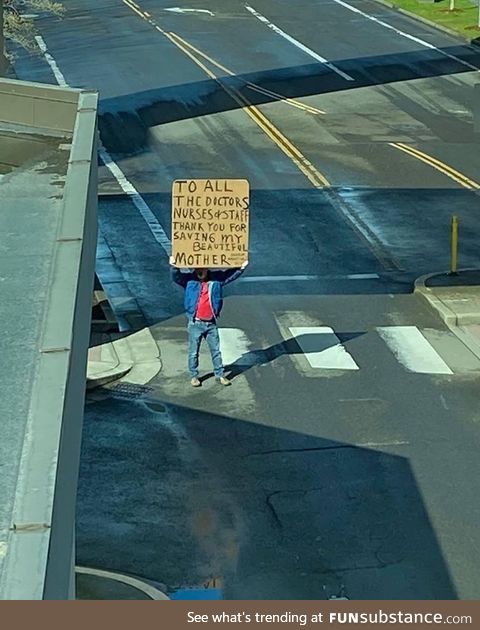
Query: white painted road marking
{"x": 233, "y": 345}
{"x": 128, "y": 188}
{"x": 322, "y": 348}
{"x": 412, "y": 350}
{"x": 51, "y": 61}
{"x": 403, "y": 34}
{"x": 360, "y": 276}
{"x": 351, "y": 276}
{"x": 298, "y": 44}
{"x": 277, "y": 278}
{"x": 180, "y": 10}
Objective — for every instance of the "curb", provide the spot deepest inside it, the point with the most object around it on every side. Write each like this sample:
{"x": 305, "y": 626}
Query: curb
{"x": 107, "y": 377}
{"x": 112, "y": 374}
{"x": 449, "y": 317}
{"x": 140, "y": 585}
{"x": 446, "y": 314}
{"x": 420, "y": 18}
{"x": 140, "y": 350}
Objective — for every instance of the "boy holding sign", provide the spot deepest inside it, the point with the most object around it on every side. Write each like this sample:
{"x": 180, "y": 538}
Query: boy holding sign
{"x": 203, "y": 304}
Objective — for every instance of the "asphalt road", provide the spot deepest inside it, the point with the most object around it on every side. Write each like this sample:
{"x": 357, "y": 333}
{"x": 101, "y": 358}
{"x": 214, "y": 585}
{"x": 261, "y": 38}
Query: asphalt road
{"x": 299, "y": 478}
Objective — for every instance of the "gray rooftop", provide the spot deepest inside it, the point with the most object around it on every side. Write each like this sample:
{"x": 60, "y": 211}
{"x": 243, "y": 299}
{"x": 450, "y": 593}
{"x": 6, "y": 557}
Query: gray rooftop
{"x": 47, "y": 229}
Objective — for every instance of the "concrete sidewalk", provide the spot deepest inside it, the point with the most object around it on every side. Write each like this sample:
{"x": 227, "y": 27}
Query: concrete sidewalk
{"x": 456, "y": 298}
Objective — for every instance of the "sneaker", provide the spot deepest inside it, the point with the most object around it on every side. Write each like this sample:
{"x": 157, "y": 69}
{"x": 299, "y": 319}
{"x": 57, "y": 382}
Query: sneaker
{"x": 195, "y": 382}
{"x": 224, "y": 381}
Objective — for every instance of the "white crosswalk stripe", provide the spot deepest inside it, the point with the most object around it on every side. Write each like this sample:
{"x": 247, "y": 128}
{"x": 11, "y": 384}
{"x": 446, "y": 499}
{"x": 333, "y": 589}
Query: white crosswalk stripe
{"x": 322, "y": 348}
{"x": 412, "y": 350}
{"x": 234, "y": 346}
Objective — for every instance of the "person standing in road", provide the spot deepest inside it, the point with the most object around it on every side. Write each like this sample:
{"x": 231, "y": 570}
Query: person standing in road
{"x": 203, "y": 304}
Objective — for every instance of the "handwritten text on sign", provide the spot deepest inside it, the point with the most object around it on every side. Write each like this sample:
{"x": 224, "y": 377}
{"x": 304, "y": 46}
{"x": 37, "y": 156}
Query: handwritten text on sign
{"x": 210, "y": 222}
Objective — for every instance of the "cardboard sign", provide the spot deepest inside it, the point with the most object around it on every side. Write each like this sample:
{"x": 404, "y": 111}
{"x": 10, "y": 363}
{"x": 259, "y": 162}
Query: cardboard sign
{"x": 210, "y": 223}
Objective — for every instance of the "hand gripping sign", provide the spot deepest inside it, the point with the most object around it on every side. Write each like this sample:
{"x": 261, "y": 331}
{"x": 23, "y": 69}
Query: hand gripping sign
{"x": 210, "y": 223}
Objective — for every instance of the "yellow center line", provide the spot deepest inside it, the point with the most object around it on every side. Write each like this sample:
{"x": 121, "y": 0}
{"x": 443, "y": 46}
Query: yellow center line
{"x": 282, "y": 142}
{"x": 303, "y": 164}
{"x": 443, "y": 168}
{"x": 134, "y": 7}
{"x": 307, "y": 168}
{"x": 290, "y": 101}
{"x": 438, "y": 163}
{"x": 253, "y": 86}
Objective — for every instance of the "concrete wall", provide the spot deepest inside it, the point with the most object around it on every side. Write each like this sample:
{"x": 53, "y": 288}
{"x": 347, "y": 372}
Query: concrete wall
{"x": 38, "y": 107}
{"x": 59, "y": 581}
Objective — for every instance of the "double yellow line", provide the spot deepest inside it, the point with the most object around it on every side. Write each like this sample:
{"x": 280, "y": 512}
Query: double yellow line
{"x": 253, "y": 86}
{"x": 284, "y": 144}
{"x": 317, "y": 179}
{"x": 450, "y": 172}
{"x": 305, "y": 166}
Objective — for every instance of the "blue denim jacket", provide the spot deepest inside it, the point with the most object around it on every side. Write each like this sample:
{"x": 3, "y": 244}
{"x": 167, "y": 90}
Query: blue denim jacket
{"x": 216, "y": 281}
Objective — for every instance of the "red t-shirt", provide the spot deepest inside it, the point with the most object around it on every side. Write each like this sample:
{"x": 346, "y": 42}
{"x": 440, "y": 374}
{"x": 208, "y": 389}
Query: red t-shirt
{"x": 204, "y": 308}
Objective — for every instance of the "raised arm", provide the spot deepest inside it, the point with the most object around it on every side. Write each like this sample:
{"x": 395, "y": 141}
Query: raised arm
{"x": 230, "y": 274}
{"x": 178, "y": 277}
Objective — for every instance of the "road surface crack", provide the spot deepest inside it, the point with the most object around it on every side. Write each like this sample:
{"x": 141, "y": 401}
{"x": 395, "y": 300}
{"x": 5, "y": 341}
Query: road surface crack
{"x": 304, "y": 450}
{"x": 272, "y": 510}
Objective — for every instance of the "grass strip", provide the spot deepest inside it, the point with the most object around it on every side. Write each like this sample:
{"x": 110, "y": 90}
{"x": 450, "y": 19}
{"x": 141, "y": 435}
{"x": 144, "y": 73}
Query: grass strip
{"x": 463, "y": 19}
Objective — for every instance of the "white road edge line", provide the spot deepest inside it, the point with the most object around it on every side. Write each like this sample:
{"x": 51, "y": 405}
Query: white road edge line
{"x": 403, "y": 34}
{"x": 128, "y": 188}
{"x": 144, "y": 587}
{"x": 51, "y": 61}
{"x": 298, "y": 44}
{"x": 413, "y": 350}
{"x": 158, "y": 232}
{"x": 322, "y": 348}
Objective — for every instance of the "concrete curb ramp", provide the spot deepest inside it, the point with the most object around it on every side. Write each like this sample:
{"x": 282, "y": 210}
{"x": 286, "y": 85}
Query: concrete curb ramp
{"x": 134, "y": 358}
{"x": 458, "y": 306}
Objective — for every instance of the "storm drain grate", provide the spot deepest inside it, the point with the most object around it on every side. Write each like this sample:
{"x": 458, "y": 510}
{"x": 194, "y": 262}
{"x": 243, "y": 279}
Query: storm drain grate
{"x": 129, "y": 391}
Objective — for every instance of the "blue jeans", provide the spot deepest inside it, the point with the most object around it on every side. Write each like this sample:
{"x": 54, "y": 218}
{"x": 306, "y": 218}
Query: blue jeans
{"x": 196, "y": 332}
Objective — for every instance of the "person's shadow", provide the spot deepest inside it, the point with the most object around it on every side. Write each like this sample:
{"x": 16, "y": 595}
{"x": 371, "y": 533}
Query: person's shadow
{"x": 301, "y": 344}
